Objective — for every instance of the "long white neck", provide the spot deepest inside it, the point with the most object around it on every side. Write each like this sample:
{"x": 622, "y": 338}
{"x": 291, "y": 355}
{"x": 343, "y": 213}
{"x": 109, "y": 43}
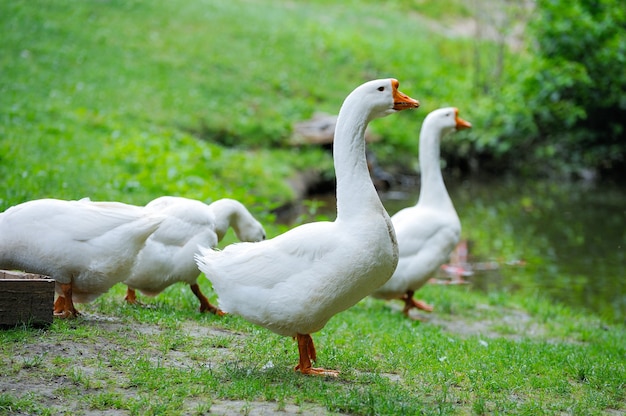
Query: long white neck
{"x": 355, "y": 191}
{"x": 225, "y": 213}
{"x": 432, "y": 189}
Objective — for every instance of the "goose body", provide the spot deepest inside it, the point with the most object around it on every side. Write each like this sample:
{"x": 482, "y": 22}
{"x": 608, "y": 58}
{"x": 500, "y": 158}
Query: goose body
{"x": 168, "y": 255}
{"x": 427, "y": 232}
{"x": 294, "y": 283}
{"x": 85, "y": 248}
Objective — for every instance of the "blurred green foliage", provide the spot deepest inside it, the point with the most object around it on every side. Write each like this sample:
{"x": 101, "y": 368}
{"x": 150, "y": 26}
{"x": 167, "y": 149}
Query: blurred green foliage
{"x": 562, "y": 108}
{"x": 579, "y": 83}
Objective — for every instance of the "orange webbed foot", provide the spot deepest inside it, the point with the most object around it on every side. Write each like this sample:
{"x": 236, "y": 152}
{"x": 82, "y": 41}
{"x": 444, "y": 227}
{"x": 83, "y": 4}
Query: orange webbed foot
{"x": 205, "y": 305}
{"x": 422, "y": 306}
{"x": 64, "y": 305}
{"x": 410, "y": 303}
{"x": 312, "y": 371}
{"x": 307, "y": 352}
{"x": 67, "y": 314}
{"x": 212, "y": 309}
{"x": 131, "y": 299}
{"x": 64, "y": 311}
{"x": 59, "y": 305}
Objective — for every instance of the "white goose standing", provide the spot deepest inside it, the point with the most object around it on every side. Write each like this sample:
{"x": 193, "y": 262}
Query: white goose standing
{"x": 85, "y": 247}
{"x": 294, "y": 283}
{"x": 427, "y": 232}
{"x": 168, "y": 256}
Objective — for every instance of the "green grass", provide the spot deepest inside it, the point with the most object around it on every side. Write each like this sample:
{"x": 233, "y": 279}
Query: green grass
{"x": 130, "y": 100}
{"x": 108, "y": 99}
{"x": 475, "y": 355}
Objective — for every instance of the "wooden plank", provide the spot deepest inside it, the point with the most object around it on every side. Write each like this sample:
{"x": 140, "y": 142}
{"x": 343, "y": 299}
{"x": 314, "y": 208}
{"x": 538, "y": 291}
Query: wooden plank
{"x": 15, "y": 274}
{"x": 25, "y": 299}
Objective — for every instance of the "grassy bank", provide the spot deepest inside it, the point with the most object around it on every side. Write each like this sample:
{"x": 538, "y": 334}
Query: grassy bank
{"x": 131, "y": 100}
{"x": 475, "y": 355}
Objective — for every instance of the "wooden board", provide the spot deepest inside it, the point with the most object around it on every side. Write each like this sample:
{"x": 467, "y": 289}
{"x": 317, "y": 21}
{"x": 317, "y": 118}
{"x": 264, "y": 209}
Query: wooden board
{"x": 25, "y": 299}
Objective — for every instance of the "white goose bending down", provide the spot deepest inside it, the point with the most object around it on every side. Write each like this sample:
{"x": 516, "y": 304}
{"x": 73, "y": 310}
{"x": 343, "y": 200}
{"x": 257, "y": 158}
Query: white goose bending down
{"x": 86, "y": 248}
{"x": 294, "y": 283}
{"x": 168, "y": 256}
{"x": 427, "y": 232}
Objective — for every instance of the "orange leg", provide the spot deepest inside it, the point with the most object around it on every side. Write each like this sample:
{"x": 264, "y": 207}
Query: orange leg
{"x": 131, "y": 296}
{"x": 307, "y": 353}
{"x": 205, "y": 305}
{"x": 65, "y": 303}
{"x": 410, "y": 303}
{"x": 59, "y": 305}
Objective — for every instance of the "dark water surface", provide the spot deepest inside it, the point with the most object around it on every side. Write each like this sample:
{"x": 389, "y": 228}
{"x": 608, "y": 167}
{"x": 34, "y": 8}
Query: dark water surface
{"x": 564, "y": 240}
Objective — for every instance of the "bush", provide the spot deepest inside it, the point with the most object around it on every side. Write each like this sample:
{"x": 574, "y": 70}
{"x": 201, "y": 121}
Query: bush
{"x": 574, "y": 88}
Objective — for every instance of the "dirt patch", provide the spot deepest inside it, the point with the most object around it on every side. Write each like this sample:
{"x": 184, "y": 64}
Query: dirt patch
{"x": 238, "y": 407}
{"x": 67, "y": 375}
{"x": 513, "y": 324}
{"x": 493, "y": 323}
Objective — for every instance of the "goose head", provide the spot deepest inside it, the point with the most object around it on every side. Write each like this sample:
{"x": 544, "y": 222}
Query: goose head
{"x": 232, "y": 213}
{"x": 249, "y": 229}
{"x": 447, "y": 120}
{"x": 383, "y": 97}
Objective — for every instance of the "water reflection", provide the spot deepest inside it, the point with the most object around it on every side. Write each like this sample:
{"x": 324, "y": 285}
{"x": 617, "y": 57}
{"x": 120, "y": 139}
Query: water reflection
{"x": 570, "y": 238}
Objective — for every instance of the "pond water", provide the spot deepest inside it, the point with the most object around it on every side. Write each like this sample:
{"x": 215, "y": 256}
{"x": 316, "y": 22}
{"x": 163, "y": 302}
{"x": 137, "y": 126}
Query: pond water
{"x": 565, "y": 240}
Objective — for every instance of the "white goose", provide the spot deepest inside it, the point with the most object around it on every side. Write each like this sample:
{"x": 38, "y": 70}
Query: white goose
{"x": 427, "y": 232}
{"x": 168, "y": 256}
{"x": 86, "y": 248}
{"x": 294, "y": 283}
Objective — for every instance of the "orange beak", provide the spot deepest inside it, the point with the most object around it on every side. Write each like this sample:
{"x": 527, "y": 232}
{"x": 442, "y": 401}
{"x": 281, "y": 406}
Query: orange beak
{"x": 401, "y": 101}
{"x": 460, "y": 123}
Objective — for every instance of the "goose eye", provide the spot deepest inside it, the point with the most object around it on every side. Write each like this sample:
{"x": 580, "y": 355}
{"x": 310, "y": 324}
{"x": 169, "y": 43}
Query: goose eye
{"x": 381, "y": 88}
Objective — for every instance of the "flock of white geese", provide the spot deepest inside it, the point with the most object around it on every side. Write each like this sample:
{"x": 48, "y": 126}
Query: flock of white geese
{"x": 291, "y": 284}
